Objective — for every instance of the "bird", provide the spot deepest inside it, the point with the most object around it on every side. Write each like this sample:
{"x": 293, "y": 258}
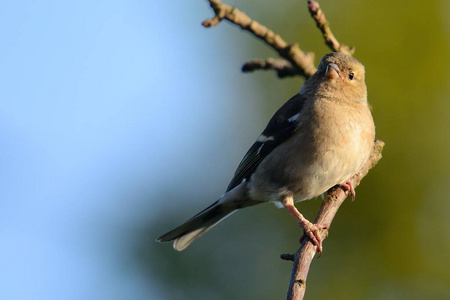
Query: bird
{"x": 318, "y": 139}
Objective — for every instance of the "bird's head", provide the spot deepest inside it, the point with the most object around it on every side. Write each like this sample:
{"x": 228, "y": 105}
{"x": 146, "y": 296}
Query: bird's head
{"x": 341, "y": 75}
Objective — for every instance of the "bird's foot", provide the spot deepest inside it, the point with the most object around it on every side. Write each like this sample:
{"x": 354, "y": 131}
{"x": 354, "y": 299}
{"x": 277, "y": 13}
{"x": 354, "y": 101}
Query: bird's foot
{"x": 349, "y": 190}
{"x": 313, "y": 232}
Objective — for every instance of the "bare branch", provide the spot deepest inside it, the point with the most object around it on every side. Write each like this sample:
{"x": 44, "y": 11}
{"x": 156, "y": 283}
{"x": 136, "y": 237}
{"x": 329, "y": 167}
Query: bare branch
{"x": 281, "y": 66}
{"x": 322, "y": 23}
{"x": 329, "y": 208}
{"x": 303, "y": 62}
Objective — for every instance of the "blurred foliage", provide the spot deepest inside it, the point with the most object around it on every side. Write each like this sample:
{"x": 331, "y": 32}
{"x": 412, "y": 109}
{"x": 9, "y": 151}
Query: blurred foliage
{"x": 393, "y": 242}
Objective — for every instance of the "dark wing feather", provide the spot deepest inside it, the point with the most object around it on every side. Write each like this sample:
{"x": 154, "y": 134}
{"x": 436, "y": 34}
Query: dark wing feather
{"x": 280, "y": 127}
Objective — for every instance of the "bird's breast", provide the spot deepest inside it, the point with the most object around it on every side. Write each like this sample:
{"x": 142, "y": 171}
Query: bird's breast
{"x": 340, "y": 142}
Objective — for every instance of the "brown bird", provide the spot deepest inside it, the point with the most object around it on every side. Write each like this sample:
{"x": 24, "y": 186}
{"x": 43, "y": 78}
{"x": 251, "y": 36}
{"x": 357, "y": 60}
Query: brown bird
{"x": 318, "y": 139}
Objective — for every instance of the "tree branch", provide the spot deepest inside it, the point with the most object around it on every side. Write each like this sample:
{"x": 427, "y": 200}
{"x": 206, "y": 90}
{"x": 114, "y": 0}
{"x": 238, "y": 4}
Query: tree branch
{"x": 301, "y": 61}
{"x": 281, "y": 66}
{"x": 329, "y": 208}
{"x": 322, "y": 23}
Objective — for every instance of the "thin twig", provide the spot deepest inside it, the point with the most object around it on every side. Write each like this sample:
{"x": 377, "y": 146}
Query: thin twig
{"x": 303, "y": 62}
{"x": 281, "y": 66}
{"x": 329, "y": 208}
{"x": 322, "y": 23}
{"x": 287, "y": 256}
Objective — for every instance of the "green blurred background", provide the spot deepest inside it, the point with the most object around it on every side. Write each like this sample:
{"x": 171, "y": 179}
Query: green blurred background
{"x": 119, "y": 120}
{"x": 393, "y": 242}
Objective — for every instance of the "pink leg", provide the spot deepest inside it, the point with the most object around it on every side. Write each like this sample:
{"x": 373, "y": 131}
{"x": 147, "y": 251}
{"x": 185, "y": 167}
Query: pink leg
{"x": 349, "y": 190}
{"x": 311, "y": 230}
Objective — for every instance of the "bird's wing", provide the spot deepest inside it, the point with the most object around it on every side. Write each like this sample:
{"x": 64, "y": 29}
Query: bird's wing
{"x": 280, "y": 128}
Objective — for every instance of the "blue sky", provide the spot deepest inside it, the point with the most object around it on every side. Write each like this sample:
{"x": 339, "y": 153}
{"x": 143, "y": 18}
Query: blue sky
{"x": 90, "y": 92}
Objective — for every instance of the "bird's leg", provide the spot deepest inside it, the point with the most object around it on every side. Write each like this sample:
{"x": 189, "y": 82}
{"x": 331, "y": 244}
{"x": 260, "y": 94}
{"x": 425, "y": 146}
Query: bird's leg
{"x": 311, "y": 230}
{"x": 348, "y": 189}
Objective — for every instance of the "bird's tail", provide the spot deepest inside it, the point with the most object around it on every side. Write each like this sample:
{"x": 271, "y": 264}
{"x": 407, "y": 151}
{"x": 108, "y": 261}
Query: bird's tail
{"x": 184, "y": 235}
{"x": 198, "y": 225}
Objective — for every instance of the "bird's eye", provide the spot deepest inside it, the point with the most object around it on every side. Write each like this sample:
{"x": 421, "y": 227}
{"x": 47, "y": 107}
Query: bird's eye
{"x": 351, "y": 75}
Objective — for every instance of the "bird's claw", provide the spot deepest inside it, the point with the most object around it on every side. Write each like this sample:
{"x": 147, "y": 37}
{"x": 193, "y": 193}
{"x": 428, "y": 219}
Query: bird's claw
{"x": 349, "y": 190}
{"x": 313, "y": 232}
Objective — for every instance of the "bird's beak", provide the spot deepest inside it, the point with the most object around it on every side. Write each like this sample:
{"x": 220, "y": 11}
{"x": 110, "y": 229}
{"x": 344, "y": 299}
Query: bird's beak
{"x": 332, "y": 71}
